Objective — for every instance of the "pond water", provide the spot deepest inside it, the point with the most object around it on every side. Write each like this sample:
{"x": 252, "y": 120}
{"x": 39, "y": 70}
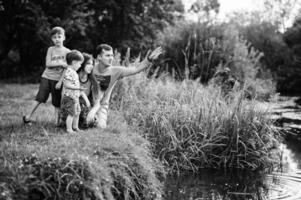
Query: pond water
{"x": 283, "y": 183}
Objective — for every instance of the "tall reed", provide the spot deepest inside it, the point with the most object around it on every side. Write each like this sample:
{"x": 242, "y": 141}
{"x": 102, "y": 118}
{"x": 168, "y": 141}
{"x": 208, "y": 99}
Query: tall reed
{"x": 191, "y": 126}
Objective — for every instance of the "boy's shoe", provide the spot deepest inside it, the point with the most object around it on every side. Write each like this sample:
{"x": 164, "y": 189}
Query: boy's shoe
{"x": 26, "y": 121}
{"x": 60, "y": 125}
{"x": 78, "y": 130}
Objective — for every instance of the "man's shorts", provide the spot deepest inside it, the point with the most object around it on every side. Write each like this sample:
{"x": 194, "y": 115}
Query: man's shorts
{"x": 46, "y": 87}
{"x": 69, "y": 106}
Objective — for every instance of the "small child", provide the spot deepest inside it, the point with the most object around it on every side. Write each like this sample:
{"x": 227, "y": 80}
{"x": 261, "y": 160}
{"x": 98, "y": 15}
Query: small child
{"x": 72, "y": 91}
{"x": 51, "y": 80}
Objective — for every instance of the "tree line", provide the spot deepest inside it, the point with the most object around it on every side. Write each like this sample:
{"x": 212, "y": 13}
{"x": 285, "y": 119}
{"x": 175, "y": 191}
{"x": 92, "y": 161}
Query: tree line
{"x": 251, "y": 48}
{"x": 123, "y": 24}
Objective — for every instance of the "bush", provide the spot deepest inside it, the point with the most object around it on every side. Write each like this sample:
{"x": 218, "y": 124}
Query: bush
{"x": 200, "y": 50}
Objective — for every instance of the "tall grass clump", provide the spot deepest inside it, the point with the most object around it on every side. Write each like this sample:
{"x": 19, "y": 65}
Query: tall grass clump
{"x": 192, "y": 49}
{"x": 44, "y": 162}
{"x": 191, "y": 126}
{"x": 198, "y": 50}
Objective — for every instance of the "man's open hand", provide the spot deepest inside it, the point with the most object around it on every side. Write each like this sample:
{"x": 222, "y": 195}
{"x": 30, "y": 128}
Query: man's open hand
{"x": 153, "y": 55}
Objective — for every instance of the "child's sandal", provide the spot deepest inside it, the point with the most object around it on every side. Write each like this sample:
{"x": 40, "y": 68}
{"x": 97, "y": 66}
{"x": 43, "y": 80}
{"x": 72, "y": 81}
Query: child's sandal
{"x": 59, "y": 125}
{"x": 26, "y": 121}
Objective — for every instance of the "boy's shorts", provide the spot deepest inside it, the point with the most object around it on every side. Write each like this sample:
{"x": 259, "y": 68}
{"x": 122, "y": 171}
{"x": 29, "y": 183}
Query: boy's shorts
{"x": 46, "y": 87}
{"x": 69, "y": 106}
{"x": 84, "y": 111}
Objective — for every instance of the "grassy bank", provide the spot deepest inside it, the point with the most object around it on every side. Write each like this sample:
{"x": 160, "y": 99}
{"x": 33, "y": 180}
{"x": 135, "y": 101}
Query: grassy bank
{"x": 191, "y": 126}
{"x": 184, "y": 125}
{"x": 42, "y": 161}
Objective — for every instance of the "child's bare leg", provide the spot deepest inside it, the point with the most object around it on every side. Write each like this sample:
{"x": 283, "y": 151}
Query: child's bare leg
{"x": 57, "y": 112}
{"x": 33, "y": 109}
{"x": 75, "y": 123}
{"x": 69, "y": 122}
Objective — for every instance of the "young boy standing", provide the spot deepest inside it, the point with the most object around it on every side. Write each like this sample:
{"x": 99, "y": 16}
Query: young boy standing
{"x": 51, "y": 80}
{"x": 72, "y": 91}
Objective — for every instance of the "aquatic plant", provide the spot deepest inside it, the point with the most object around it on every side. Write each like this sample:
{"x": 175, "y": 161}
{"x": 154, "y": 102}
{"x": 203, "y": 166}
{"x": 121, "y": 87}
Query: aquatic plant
{"x": 191, "y": 126}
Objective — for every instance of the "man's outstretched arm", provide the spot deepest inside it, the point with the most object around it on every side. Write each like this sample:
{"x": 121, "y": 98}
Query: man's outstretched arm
{"x": 147, "y": 61}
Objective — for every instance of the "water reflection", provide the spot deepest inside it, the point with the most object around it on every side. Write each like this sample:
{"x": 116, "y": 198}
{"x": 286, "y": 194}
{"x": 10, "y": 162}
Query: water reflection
{"x": 283, "y": 183}
{"x": 286, "y": 187}
{"x": 235, "y": 185}
{"x": 293, "y": 147}
{"x": 217, "y": 185}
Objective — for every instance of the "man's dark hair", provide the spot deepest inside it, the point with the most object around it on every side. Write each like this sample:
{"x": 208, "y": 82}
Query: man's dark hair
{"x": 104, "y": 47}
{"x": 56, "y": 30}
{"x": 74, "y": 55}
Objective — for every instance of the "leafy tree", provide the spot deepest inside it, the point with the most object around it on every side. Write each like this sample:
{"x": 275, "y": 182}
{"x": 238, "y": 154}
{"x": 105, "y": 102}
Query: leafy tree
{"x": 75, "y": 16}
{"x": 193, "y": 50}
{"x": 264, "y": 36}
{"x": 132, "y": 23}
{"x": 280, "y": 12}
{"x": 121, "y": 23}
{"x": 292, "y": 37}
{"x": 20, "y": 21}
{"x": 205, "y": 9}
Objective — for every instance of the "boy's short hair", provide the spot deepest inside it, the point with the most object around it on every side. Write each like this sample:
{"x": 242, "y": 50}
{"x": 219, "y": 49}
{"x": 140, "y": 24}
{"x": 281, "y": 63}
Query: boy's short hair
{"x": 74, "y": 55}
{"x": 56, "y": 30}
{"x": 101, "y": 47}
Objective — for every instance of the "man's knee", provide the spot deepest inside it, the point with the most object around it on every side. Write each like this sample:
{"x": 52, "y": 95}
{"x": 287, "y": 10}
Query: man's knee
{"x": 101, "y": 124}
{"x": 102, "y": 116}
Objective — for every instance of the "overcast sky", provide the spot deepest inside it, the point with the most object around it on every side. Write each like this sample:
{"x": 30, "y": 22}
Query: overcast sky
{"x": 228, "y": 6}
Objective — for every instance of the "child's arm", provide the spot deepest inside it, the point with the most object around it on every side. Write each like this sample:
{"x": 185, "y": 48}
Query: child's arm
{"x": 69, "y": 86}
{"x": 59, "y": 83}
{"x": 83, "y": 94}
